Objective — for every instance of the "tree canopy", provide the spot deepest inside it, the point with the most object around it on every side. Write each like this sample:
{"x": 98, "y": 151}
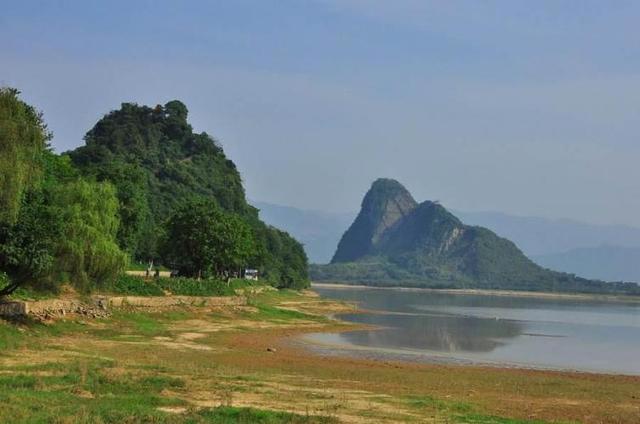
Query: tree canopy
{"x": 23, "y": 138}
{"x": 143, "y": 177}
{"x": 60, "y": 228}
{"x": 158, "y": 164}
{"x": 87, "y": 250}
{"x": 202, "y": 240}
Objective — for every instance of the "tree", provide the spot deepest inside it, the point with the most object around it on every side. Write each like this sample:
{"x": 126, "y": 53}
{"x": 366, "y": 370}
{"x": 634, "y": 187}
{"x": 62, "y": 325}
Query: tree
{"x": 23, "y": 138}
{"x": 27, "y": 247}
{"x": 177, "y": 164}
{"x": 87, "y": 251}
{"x": 135, "y": 233}
{"x": 202, "y": 240}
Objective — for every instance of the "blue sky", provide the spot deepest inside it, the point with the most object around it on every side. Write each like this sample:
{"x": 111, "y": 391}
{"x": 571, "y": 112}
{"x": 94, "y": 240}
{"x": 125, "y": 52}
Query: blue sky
{"x": 526, "y": 107}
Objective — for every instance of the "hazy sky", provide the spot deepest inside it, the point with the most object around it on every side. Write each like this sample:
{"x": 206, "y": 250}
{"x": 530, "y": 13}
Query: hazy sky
{"x": 527, "y": 107}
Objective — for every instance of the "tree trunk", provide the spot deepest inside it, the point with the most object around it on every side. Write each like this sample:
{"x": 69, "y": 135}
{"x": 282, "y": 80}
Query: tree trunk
{"x": 6, "y": 291}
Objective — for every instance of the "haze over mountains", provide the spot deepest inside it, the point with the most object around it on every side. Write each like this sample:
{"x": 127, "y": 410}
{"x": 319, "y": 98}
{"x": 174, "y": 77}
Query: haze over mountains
{"x": 396, "y": 241}
{"x": 607, "y": 252}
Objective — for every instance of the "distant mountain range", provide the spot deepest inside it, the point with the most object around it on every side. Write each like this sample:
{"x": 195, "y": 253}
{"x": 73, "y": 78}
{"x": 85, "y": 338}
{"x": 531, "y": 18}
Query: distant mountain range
{"x": 543, "y": 236}
{"x": 318, "y": 231}
{"x": 396, "y": 241}
{"x": 607, "y": 252}
{"x": 610, "y": 263}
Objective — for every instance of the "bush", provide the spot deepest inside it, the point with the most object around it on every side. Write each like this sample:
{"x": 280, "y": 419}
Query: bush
{"x": 128, "y": 284}
{"x": 137, "y": 286}
{"x": 192, "y": 287}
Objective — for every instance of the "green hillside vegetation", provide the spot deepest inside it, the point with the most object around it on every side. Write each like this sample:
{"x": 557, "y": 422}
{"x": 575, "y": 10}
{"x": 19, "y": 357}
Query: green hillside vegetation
{"x": 396, "y": 241}
{"x": 159, "y": 165}
{"x": 81, "y": 217}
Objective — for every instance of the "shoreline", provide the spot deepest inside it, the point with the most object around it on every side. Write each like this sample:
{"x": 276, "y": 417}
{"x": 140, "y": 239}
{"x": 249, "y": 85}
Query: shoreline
{"x": 201, "y": 357}
{"x": 429, "y": 358}
{"x": 488, "y": 292}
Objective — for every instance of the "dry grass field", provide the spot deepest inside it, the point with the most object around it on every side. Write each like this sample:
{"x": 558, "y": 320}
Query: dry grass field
{"x": 228, "y": 365}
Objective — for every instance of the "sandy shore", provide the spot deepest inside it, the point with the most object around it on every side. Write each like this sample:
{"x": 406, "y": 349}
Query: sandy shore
{"x": 483, "y": 292}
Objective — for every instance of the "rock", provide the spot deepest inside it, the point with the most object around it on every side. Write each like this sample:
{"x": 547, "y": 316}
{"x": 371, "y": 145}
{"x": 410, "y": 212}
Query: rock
{"x": 271, "y": 349}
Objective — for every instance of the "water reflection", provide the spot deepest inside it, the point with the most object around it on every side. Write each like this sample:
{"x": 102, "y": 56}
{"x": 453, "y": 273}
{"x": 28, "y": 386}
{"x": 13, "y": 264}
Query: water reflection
{"x": 443, "y": 333}
{"x": 548, "y": 332}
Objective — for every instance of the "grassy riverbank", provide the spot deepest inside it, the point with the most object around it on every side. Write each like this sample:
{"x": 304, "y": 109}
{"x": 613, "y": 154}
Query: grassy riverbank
{"x": 227, "y": 365}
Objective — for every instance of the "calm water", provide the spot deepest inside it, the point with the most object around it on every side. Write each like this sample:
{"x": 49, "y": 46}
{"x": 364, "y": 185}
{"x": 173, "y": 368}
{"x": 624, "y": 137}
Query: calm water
{"x": 550, "y": 333}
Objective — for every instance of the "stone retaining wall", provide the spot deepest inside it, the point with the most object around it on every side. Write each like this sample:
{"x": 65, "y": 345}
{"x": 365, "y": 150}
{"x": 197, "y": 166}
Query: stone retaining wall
{"x": 13, "y": 309}
{"x": 99, "y": 305}
{"x": 165, "y": 301}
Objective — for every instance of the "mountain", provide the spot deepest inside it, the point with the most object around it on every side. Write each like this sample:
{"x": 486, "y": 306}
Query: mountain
{"x": 611, "y": 263}
{"x": 606, "y": 252}
{"x": 318, "y": 231}
{"x": 157, "y": 163}
{"x": 396, "y": 241}
{"x": 541, "y": 236}
{"x": 386, "y": 203}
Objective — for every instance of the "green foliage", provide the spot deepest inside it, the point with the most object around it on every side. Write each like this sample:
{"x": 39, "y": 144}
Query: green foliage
{"x": 23, "y": 139}
{"x": 56, "y": 223}
{"x": 201, "y": 240}
{"x": 192, "y": 287}
{"x": 153, "y": 157}
{"x": 27, "y": 247}
{"x": 135, "y": 233}
{"x": 177, "y": 164}
{"x": 87, "y": 251}
{"x": 135, "y": 286}
{"x": 284, "y": 261}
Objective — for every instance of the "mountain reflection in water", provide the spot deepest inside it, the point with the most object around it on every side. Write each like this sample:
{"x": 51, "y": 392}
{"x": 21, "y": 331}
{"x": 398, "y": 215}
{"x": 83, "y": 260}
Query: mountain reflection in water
{"x": 547, "y": 332}
{"x": 432, "y": 332}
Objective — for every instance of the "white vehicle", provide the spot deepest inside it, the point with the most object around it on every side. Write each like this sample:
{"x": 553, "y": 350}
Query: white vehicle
{"x": 251, "y": 274}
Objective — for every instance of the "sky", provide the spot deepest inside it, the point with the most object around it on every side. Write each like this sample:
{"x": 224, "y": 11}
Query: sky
{"x": 524, "y": 107}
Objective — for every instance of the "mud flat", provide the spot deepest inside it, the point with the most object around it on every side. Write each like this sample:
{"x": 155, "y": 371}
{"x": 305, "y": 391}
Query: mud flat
{"x": 181, "y": 364}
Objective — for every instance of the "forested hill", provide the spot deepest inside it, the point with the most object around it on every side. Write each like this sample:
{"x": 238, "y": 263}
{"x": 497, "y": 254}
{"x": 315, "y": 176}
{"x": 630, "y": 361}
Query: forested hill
{"x": 157, "y": 164}
{"x": 396, "y": 241}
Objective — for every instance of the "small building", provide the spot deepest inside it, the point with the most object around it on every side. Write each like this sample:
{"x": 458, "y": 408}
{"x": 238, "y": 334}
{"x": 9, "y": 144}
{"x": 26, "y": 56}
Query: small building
{"x": 251, "y": 274}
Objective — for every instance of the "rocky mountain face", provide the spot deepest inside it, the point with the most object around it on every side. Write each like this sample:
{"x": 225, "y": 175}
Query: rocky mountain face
{"x": 396, "y": 241}
{"x": 386, "y": 203}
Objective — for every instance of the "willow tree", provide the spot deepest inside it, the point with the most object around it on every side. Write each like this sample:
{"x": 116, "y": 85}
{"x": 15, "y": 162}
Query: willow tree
{"x": 88, "y": 252}
{"x": 23, "y": 138}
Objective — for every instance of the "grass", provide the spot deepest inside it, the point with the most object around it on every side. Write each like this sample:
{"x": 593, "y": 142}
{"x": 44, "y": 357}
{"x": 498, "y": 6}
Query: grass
{"x": 487, "y": 419}
{"x": 269, "y": 312}
{"x": 84, "y": 392}
{"x": 192, "y": 287}
{"x": 10, "y": 336}
{"x": 460, "y": 412}
{"x": 431, "y": 403}
{"x": 231, "y": 415}
{"x": 118, "y": 370}
{"x": 91, "y": 392}
{"x": 134, "y": 286}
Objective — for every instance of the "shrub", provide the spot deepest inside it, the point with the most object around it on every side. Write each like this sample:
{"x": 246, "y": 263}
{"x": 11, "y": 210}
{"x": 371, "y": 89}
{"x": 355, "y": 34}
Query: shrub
{"x": 128, "y": 284}
{"x": 192, "y": 287}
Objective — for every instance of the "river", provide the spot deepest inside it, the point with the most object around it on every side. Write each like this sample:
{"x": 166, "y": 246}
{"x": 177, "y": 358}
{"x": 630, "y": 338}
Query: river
{"x": 552, "y": 333}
